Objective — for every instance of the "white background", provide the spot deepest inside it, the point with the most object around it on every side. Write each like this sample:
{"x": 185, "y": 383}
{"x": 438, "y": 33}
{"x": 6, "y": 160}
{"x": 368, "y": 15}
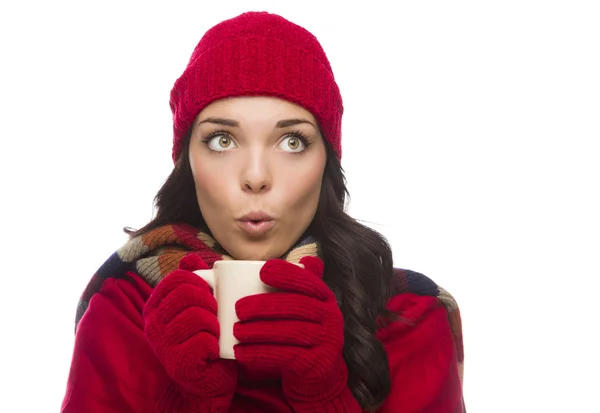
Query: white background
{"x": 471, "y": 140}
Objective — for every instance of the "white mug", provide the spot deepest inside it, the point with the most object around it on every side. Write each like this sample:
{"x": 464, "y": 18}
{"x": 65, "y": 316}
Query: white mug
{"x": 230, "y": 281}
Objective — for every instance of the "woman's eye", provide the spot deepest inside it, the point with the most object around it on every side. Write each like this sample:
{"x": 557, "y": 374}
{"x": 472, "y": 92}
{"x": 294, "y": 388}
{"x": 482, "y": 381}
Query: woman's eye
{"x": 292, "y": 144}
{"x": 221, "y": 143}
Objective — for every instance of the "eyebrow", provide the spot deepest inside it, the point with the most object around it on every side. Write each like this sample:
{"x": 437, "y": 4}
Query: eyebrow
{"x": 220, "y": 121}
{"x": 234, "y": 124}
{"x": 291, "y": 122}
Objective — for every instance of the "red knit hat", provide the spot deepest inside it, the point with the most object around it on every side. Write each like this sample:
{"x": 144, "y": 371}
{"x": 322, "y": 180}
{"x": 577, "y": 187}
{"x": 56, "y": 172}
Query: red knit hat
{"x": 260, "y": 54}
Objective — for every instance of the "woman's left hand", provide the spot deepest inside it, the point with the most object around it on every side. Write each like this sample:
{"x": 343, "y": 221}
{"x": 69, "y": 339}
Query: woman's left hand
{"x": 297, "y": 331}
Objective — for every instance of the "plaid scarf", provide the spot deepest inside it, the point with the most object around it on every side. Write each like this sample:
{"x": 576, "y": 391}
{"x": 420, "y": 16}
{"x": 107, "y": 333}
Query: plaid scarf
{"x": 156, "y": 253}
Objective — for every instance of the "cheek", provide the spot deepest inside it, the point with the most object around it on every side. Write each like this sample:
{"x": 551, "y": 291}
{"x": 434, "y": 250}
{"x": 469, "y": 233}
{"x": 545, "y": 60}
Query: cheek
{"x": 303, "y": 192}
{"x": 210, "y": 188}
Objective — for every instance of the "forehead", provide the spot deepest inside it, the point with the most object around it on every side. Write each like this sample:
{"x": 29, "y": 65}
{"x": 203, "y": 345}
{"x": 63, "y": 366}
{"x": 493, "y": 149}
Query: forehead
{"x": 255, "y": 110}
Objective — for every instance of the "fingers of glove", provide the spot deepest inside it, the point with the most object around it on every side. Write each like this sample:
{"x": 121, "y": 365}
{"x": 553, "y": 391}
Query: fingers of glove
{"x": 200, "y": 334}
{"x": 186, "y": 325}
{"x": 192, "y": 262}
{"x": 314, "y": 265}
{"x": 172, "y": 281}
{"x": 279, "y": 306}
{"x": 287, "y": 332}
{"x": 180, "y": 299}
{"x": 285, "y": 276}
{"x": 268, "y": 356}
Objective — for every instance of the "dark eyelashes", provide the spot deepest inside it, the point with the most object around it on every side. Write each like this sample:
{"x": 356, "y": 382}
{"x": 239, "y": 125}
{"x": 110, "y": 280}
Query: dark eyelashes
{"x": 298, "y": 134}
{"x": 214, "y": 134}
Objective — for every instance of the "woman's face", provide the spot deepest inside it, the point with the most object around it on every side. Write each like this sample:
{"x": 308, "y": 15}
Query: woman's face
{"x": 258, "y": 166}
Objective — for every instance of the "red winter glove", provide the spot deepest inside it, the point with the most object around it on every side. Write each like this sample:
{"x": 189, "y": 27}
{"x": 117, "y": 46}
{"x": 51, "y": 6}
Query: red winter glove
{"x": 299, "y": 332}
{"x": 182, "y": 327}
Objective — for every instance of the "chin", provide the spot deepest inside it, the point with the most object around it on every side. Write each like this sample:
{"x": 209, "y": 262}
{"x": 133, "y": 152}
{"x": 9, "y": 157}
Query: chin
{"x": 257, "y": 253}
{"x": 249, "y": 256}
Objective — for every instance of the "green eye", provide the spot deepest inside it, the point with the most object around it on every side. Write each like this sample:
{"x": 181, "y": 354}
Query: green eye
{"x": 220, "y": 142}
{"x": 292, "y": 143}
{"x": 224, "y": 142}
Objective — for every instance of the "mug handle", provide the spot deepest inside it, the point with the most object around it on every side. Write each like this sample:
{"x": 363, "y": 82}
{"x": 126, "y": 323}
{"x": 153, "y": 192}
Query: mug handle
{"x": 208, "y": 276}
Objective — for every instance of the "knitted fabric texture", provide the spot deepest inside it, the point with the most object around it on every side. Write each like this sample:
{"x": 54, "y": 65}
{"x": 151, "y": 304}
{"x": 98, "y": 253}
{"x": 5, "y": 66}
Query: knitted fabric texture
{"x": 297, "y": 330}
{"x": 181, "y": 326}
{"x": 258, "y": 54}
{"x": 155, "y": 254}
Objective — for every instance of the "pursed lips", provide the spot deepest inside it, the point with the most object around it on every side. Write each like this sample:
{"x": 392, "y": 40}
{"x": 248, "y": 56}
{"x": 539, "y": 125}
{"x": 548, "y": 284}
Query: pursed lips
{"x": 256, "y": 223}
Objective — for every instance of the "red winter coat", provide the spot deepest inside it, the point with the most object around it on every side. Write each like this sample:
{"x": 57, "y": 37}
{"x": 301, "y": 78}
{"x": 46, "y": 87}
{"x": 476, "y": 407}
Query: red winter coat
{"x": 115, "y": 370}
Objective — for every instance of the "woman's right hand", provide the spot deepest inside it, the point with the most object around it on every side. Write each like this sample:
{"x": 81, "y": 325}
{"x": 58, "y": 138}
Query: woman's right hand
{"x": 181, "y": 326}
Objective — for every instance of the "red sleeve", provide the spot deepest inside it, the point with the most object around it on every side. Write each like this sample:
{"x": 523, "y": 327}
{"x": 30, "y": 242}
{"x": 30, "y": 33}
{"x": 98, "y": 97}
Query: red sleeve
{"x": 114, "y": 368}
{"x": 422, "y": 358}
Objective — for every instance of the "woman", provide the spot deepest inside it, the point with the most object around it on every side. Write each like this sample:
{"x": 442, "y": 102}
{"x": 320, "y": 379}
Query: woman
{"x": 257, "y": 176}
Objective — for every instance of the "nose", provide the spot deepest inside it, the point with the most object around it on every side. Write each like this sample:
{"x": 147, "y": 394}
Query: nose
{"x": 256, "y": 174}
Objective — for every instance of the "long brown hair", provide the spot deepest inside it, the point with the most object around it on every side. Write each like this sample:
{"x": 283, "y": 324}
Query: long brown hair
{"x": 358, "y": 267}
